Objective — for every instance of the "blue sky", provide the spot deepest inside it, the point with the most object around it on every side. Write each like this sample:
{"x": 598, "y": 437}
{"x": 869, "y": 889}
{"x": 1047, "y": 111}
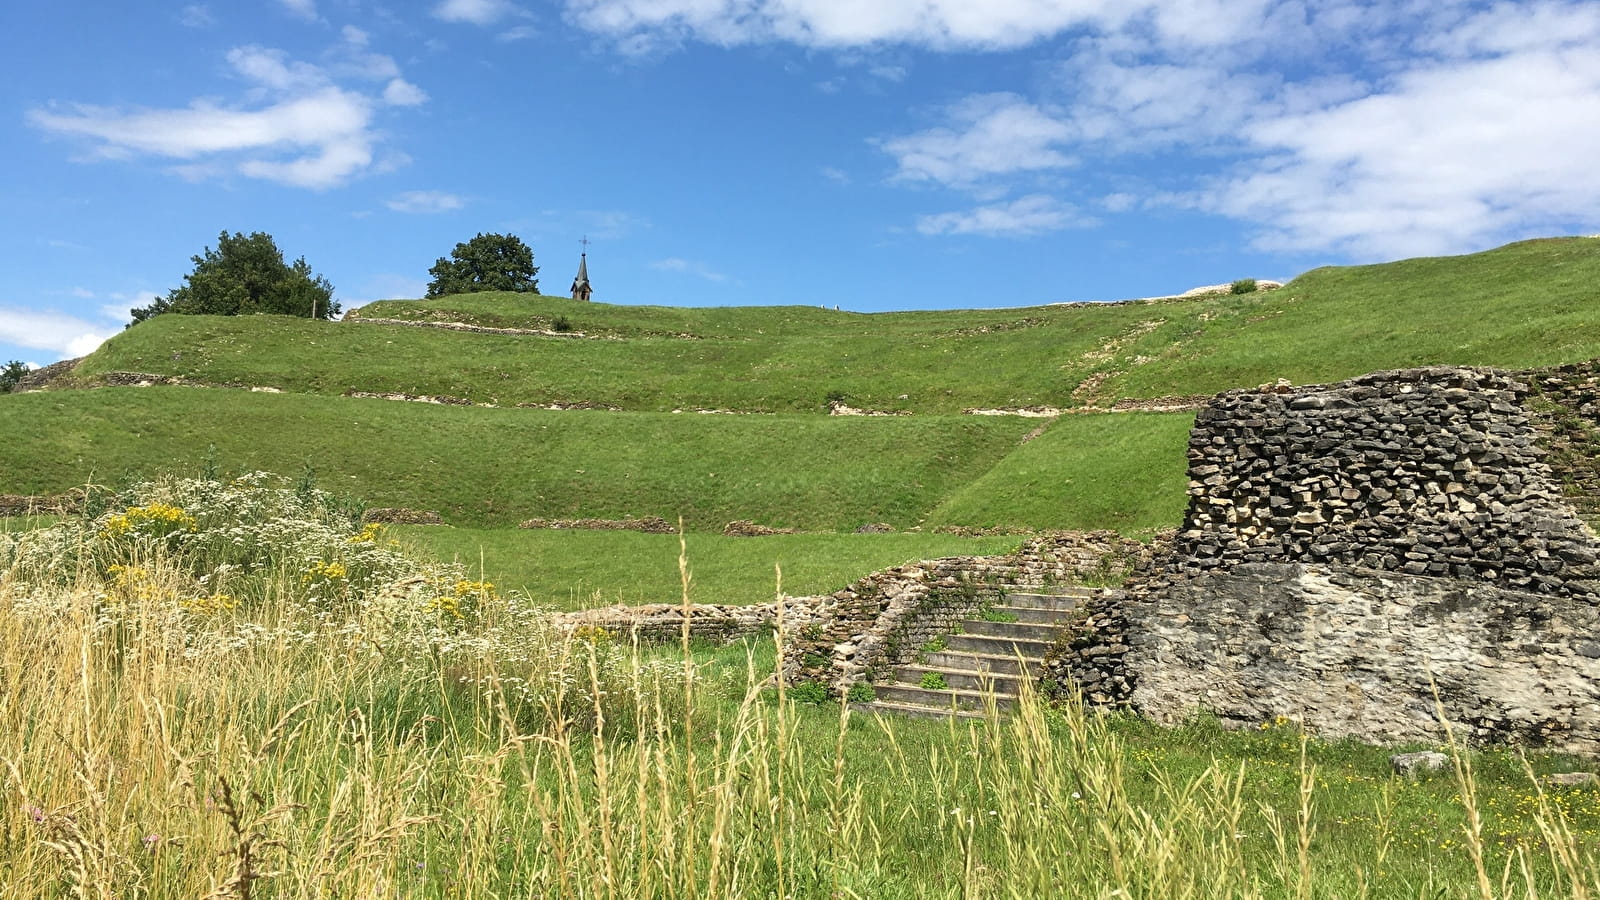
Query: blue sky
{"x": 871, "y": 154}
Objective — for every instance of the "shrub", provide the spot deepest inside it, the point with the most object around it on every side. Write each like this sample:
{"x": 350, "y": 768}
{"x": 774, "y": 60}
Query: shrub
{"x": 934, "y": 681}
{"x": 243, "y": 539}
{"x": 1243, "y": 286}
{"x": 861, "y": 692}
{"x": 810, "y": 692}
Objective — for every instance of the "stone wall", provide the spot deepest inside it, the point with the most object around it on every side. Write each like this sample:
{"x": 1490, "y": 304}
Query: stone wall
{"x": 1093, "y": 658}
{"x": 54, "y": 505}
{"x": 648, "y": 525}
{"x": 1425, "y": 471}
{"x": 1360, "y": 653}
{"x": 1351, "y": 549}
{"x": 663, "y": 622}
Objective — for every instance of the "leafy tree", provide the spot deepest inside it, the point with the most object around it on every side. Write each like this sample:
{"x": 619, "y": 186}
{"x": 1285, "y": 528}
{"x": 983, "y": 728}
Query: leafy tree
{"x": 247, "y": 275}
{"x": 10, "y": 374}
{"x": 488, "y": 262}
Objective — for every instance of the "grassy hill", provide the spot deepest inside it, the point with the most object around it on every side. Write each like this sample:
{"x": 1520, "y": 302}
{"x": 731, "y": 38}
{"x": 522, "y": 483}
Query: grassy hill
{"x": 787, "y": 464}
{"x": 1525, "y": 304}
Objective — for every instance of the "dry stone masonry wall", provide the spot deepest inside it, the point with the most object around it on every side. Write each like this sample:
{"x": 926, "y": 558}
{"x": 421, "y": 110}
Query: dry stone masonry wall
{"x": 1351, "y": 549}
{"x": 1426, "y": 472}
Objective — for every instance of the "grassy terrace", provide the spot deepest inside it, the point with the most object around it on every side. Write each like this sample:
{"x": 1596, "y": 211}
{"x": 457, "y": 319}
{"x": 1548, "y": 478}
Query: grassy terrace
{"x": 495, "y": 467}
{"x": 1526, "y": 304}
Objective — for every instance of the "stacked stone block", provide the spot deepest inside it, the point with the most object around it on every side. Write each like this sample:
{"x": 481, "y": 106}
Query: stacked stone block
{"x": 1430, "y": 472}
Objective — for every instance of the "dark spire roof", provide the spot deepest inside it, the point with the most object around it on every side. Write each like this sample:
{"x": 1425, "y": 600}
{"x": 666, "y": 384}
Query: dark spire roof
{"x": 580, "y": 285}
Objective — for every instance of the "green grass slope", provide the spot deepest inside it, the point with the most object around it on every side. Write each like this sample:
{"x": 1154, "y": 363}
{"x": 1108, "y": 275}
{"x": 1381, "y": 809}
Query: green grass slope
{"x": 1534, "y": 303}
{"x": 1525, "y": 304}
{"x": 496, "y": 467}
{"x": 1125, "y": 472}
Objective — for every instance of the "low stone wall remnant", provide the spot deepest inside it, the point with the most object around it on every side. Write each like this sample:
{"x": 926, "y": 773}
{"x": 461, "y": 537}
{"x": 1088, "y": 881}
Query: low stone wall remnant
{"x": 648, "y": 524}
{"x": 401, "y": 516}
{"x": 53, "y": 505}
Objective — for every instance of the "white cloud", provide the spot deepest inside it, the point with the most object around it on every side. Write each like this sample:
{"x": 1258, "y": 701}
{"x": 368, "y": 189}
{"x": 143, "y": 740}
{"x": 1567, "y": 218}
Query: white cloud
{"x": 850, "y": 23}
{"x": 1143, "y": 106}
{"x": 519, "y": 33}
{"x": 425, "y": 202}
{"x": 991, "y": 134}
{"x": 196, "y": 15}
{"x": 82, "y": 293}
{"x": 326, "y": 134}
{"x": 1513, "y": 27}
{"x": 473, "y": 12}
{"x": 1460, "y": 127}
{"x": 274, "y": 70}
{"x": 400, "y": 92}
{"x": 837, "y": 176}
{"x": 121, "y": 311}
{"x": 296, "y": 125}
{"x": 354, "y": 36}
{"x": 688, "y": 267}
{"x": 1121, "y": 201}
{"x": 50, "y": 330}
{"x": 304, "y": 9}
{"x": 1449, "y": 158}
{"x": 1030, "y": 215}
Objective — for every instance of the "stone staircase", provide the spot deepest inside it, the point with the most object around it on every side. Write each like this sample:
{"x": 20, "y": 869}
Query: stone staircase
{"x": 984, "y": 663}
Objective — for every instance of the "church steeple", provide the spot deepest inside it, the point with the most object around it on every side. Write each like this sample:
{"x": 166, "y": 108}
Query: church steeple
{"x": 580, "y": 285}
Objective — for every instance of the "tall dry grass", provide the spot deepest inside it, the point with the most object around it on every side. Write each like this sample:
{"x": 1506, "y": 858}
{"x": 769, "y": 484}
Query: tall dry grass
{"x": 293, "y": 750}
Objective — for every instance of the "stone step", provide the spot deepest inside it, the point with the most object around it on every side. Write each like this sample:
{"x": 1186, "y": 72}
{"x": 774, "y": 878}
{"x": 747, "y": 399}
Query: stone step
{"x": 1024, "y": 630}
{"x": 998, "y": 646}
{"x": 1035, "y": 615}
{"x": 881, "y": 707}
{"x": 942, "y": 698}
{"x": 998, "y": 664}
{"x": 962, "y": 679}
{"x": 1062, "y": 602}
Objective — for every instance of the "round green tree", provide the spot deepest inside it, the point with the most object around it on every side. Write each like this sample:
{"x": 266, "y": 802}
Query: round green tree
{"x": 246, "y": 275}
{"x": 488, "y": 262}
{"x": 11, "y": 373}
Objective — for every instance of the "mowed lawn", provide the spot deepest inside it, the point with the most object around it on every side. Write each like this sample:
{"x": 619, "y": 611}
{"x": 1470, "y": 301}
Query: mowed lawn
{"x": 581, "y": 569}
